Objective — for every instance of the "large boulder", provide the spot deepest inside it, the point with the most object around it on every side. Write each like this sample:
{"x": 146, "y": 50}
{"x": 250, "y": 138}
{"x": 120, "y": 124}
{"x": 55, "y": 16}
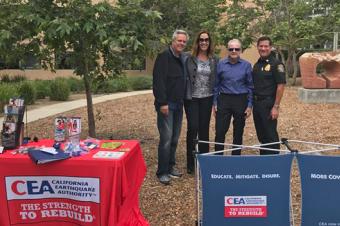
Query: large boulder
{"x": 328, "y": 77}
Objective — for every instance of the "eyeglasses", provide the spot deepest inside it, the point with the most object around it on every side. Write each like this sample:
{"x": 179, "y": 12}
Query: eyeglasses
{"x": 203, "y": 39}
{"x": 234, "y": 49}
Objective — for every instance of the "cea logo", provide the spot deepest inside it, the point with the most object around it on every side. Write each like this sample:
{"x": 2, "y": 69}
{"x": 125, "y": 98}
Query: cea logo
{"x": 235, "y": 201}
{"x": 21, "y": 187}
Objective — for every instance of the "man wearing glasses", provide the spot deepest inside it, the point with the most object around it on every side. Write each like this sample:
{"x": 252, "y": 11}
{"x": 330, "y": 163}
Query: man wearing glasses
{"x": 168, "y": 89}
{"x": 233, "y": 95}
{"x": 269, "y": 81}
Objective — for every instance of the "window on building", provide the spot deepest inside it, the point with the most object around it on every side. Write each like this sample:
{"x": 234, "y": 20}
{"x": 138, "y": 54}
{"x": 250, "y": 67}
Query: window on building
{"x": 30, "y": 61}
{"x": 9, "y": 64}
{"x": 64, "y": 61}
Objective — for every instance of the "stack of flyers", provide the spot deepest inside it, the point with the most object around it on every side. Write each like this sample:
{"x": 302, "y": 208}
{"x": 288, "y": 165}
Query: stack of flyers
{"x": 60, "y": 129}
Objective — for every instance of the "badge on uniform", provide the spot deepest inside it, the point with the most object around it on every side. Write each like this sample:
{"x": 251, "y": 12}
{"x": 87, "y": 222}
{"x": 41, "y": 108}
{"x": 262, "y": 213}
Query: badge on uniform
{"x": 267, "y": 67}
{"x": 280, "y": 68}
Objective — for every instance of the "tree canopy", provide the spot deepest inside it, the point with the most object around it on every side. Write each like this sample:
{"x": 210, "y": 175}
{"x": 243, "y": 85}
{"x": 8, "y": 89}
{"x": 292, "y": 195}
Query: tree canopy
{"x": 96, "y": 35}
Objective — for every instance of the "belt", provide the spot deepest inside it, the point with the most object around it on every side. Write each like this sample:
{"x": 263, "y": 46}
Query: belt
{"x": 234, "y": 94}
{"x": 259, "y": 97}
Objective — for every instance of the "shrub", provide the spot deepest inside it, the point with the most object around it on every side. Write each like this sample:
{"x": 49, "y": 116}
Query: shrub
{"x": 5, "y": 78}
{"x": 27, "y": 92}
{"x": 18, "y": 78}
{"x": 6, "y": 92}
{"x": 42, "y": 88}
{"x": 121, "y": 84}
{"x": 14, "y": 79}
{"x": 76, "y": 85}
{"x": 59, "y": 89}
{"x": 140, "y": 82}
{"x": 112, "y": 86}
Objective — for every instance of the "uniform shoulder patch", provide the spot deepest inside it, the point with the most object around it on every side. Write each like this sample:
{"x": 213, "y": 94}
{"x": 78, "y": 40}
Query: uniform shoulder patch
{"x": 280, "y": 68}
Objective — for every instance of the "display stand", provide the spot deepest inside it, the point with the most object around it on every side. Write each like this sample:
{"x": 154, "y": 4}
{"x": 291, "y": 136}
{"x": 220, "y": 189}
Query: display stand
{"x": 13, "y": 125}
{"x": 267, "y": 178}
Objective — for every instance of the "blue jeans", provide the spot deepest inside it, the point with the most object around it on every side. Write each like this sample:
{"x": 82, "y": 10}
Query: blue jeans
{"x": 169, "y": 128}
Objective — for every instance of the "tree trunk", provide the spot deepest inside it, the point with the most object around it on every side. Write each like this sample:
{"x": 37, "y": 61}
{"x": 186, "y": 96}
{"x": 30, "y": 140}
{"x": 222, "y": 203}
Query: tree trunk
{"x": 285, "y": 62}
{"x": 295, "y": 68}
{"x": 90, "y": 115}
{"x": 289, "y": 64}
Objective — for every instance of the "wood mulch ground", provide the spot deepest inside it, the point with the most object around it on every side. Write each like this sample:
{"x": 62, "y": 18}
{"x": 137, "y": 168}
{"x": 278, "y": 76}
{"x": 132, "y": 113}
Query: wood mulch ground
{"x": 135, "y": 118}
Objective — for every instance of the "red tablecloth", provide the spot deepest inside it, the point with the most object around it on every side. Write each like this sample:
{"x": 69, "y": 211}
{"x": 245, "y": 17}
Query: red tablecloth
{"x": 78, "y": 191}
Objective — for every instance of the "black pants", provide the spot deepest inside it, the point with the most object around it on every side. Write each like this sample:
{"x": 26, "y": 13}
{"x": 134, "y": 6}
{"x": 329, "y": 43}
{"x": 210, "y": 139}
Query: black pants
{"x": 266, "y": 127}
{"x": 198, "y": 112}
{"x": 228, "y": 106}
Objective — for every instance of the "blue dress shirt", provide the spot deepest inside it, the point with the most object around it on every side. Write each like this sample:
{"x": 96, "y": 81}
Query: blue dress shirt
{"x": 234, "y": 79}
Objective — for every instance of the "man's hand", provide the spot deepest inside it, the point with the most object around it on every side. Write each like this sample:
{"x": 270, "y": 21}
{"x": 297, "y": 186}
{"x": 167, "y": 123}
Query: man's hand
{"x": 165, "y": 110}
{"x": 247, "y": 113}
{"x": 274, "y": 113}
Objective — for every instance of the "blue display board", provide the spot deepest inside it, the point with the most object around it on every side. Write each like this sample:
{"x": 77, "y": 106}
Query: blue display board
{"x": 246, "y": 190}
{"x": 320, "y": 187}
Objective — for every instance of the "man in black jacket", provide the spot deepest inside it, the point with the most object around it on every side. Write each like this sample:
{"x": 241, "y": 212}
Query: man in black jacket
{"x": 168, "y": 89}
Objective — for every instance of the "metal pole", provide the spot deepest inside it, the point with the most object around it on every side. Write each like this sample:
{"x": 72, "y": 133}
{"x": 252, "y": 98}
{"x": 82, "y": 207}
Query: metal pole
{"x": 335, "y": 41}
{"x": 242, "y": 146}
{"x": 197, "y": 180}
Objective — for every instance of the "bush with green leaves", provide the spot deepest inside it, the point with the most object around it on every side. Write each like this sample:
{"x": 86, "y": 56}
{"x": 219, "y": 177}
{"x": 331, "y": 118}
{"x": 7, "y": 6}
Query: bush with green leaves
{"x": 59, "y": 89}
{"x": 140, "y": 82}
{"x": 18, "y": 78}
{"x": 76, "y": 85}
{"x": 42, "y": 88}
{"x": 5, "y": 78}
{"x": 12, "y": 79}
{"x": 120, "y": 84}
{"x": 6, "y": 92}
{"x": 27, "y": 91}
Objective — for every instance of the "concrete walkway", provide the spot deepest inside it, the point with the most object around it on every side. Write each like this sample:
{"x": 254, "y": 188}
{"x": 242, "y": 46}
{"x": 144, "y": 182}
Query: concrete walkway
{"x": 45, "y": 111}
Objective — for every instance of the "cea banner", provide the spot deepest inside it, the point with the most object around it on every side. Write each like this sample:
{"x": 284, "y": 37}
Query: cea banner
{"x": 246, "y": 190}
{"x": 320, "y": 186}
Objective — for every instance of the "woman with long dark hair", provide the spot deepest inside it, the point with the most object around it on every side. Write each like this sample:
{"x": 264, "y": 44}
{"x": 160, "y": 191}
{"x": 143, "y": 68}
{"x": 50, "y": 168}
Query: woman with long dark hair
{"x": 201, "y": 68}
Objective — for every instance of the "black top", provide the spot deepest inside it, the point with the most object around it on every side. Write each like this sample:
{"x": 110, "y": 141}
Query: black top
{"x": 267, "y": 73}
{"x": 168, "y": 78}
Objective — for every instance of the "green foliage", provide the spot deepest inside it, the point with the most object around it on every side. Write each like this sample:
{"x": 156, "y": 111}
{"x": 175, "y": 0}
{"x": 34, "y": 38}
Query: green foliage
{"x": 140, "y": 82}
{"x": 120, "y": 84}
{"x": 19, "y": 33}
{"x": 6, "y": 92}
{"x": 27, "y": 91}
{"x": 12, "y": 79}
{"x": 42, "y": 88}
{"x": 91, "y": 30}
{"x": 190, "y": 15}
{"x": 76, "y": 85}
{"x": 5, "y": 78}
{"x": 18, "y": 78}
{"x": 59, "y": 89}
{"x": 240, "y": 23}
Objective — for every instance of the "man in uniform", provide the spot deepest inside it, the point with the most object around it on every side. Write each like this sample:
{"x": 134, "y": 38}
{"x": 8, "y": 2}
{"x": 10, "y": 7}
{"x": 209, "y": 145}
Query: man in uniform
{"x": 269, "y": 81}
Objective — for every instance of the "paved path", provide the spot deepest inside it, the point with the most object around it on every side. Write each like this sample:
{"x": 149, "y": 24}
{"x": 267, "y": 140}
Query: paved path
{"x": 48, "y": 110}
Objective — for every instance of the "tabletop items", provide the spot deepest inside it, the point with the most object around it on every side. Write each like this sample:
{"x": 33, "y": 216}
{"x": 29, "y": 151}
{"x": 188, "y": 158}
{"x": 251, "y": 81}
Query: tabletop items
{"x": 12, "y": 127}
{"x": 67, "y": 143}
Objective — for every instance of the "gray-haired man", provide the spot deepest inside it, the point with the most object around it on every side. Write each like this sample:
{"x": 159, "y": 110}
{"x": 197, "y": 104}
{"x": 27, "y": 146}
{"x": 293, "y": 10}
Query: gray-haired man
{"x": 168, "y": 89}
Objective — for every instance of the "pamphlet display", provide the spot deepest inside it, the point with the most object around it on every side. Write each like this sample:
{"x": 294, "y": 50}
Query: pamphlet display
{"x": 60, "y": 129}
{"x": 12, "y": 128}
